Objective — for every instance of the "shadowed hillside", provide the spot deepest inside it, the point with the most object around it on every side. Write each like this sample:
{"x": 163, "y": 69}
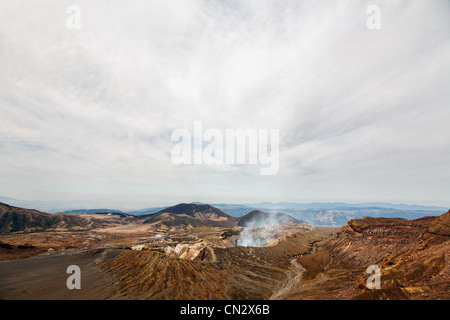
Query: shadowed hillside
{"x": 196, "y": 215}
{"x": 13, "y": 219}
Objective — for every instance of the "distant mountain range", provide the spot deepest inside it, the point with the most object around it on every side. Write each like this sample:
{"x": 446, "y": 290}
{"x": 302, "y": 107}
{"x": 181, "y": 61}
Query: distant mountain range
{"x": 321, "y": 214}
{"x": 326, "y": 206}
{"x": 191, "y": 214}
{"x": 16, "y": 219}
{"x": 199, "y": 215}
{"x": 99, "y": 211}
{"x": 335, "y": 213}
{"x": 344, "y": 205}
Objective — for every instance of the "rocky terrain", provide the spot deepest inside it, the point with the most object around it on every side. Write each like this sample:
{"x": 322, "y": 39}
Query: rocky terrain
{"x": 193, "y": 252}
{"x": 413, "y": 256}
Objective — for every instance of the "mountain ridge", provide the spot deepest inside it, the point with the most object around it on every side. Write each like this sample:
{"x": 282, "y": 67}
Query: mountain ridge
{"x": 193, "y": 214}
{"x": 16, "y": 219}
{"x": 258, "y": 217}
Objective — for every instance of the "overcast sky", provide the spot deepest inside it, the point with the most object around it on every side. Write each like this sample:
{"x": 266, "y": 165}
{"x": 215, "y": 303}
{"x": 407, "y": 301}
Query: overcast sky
{"x": 363, "y": 115}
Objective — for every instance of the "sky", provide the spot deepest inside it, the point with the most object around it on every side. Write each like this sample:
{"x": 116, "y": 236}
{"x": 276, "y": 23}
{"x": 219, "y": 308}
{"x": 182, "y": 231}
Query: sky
{"x": 89, "y": 99}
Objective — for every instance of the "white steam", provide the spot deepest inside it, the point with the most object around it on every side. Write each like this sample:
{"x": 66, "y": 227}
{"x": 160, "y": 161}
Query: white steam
{"x": 265, "y": 228}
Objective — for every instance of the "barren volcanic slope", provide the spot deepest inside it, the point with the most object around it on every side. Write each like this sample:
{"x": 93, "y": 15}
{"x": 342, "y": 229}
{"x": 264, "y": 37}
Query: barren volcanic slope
{"x": 14, "y": 219}
{"x": 26, "y": 232}
{"x": 223, "y": 273}
{"x": 204, "y": 262}
{"x": 413, "y": 256}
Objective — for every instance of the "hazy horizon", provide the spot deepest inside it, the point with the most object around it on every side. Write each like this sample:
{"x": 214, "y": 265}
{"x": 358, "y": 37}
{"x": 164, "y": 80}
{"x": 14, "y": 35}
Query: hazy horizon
{"x": 61, "y": 205}
{"x": 87, "y": 113}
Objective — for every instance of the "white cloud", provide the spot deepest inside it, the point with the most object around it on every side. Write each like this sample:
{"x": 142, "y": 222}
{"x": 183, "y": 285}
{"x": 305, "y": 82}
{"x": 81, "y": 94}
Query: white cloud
{"x": 362, "y": 114}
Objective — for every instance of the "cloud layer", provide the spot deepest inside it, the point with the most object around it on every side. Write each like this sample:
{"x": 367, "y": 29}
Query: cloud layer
{"x": 363, "y": 114}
